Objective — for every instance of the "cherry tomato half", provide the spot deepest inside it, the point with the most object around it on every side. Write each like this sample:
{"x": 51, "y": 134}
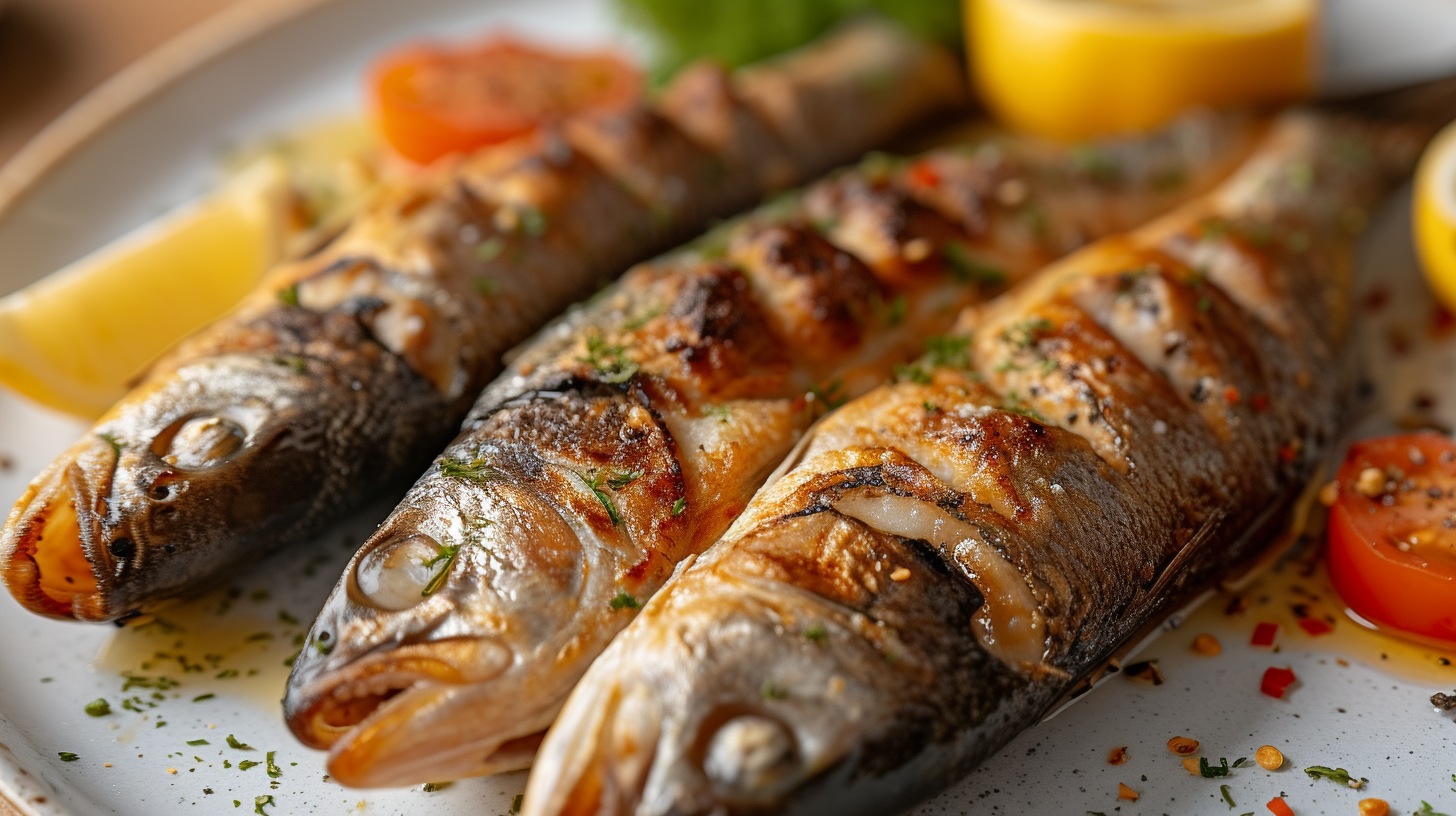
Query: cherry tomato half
{"x": 1392, "y": 534}
{"x": 434, "y": 100}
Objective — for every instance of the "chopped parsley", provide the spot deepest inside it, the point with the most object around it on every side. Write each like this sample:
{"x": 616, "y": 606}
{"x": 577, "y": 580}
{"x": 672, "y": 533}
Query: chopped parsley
{"x": 67, "y": 756}
{"x": 431, "y": 787}
{"x": 1204, "y": 304}
{"x": 246, "y": 764}
{"x": 679, "y": 506}
{"x": 446, "y": 559}
{"x": 1226, "y": 796}
{"x": 98, "y": 707}
{"x": 198, "y": 742}
{"x": 611, "y": 362}
{"x": 116, "y": 446}
{"x": 131, "y": 681}
{"x": 241, "y": 746}
{"x": 260, "y": 802}
{"x": 474, "y": 471}
{"x": 484, "y": 286}
{"x": 642, "y": 319}
{"x": 930, "y": 407}
{"x": 967, "y": 269}
{"x": 533, "y": 222}
{"x": 322, "y": 643}
{"x": 891, "y": 313}
{"x": 722, "y": 412}
{"x": 1097, "y": 164}
{"x": 1240, "y": 762}
{"x": 516, "y": 803}
{"x": 617, "y": 481}
{"x": 625, "y": 601}
{"x": 199, "y": 698}
{"x": 769, "y": 691}
{"x": 1209, "y": 772}
{"x": 829, "y": 394}
{"x": 489, "y": 250}
{"x": 1426, "y": 810}
{"x": 594, "y": 483}
{"x": 1025, "y": 332}
{"x": 285, "y": 617}
{"x": 1339, "y": 775}
{"x": 289, "y": 296}
{"x": 273, "y": 770}
{"x": 816, "y": 633}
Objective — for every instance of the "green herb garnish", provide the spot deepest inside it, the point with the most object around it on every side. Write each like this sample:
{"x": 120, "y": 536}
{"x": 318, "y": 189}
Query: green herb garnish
{"x": 431, "y": 787}
{"x": 1240, "y": 762}
{"x": 516, "y": 803}
{"x": 594, "y": 483}
{"x": 892, "y": 313}
{"x": 474, "y": 471}
{"x": 260, "y": 802}
{"x": 679, "y": 506}
{"x": 769, "y": 691}
{"x": 816, "y": 633}
{"x": 611, "y": 362}
{"x": 484, "y": 286}
{"x": 67, "y": 756}
{"x": 625, "y": 601}
{"x": 722, "y": 412}
{"x": 1208, "y": 772}
{"x": 642, "y": 319}
{"x": 967, "y": 269}
{"x": 930, "y": 407}
{"x": 1025, "y": 332}
{"x": 285, "y": 617}
{"x": 1226, "y": 796}
{"x": 241, "y": 746}
{"x": 489, "y": 250}
{"x": 273, "y": 770}
{"x": 1339, "y": 775}
{"x": 116, "y": 446}
{"x": 617, "y": 481}
{"x": 98, "y": 707}
{"x": 1426, "y": 810}
{"x": 198, "y": 742}
{"x": 289, "y": 296}
{"x": 533, "y": 222}
{"x": 199, "y": 698}
{"x": 829, "y": 394}
{"x": 1096, "y": 164}
{"x": 132, "y": 681}
{"x": 245, "y": 764}
{"x": 446, "y": 559}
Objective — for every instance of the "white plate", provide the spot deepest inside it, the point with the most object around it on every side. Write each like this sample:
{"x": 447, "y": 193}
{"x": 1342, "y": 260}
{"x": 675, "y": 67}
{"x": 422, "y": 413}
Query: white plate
{"x": 85, "y": 189}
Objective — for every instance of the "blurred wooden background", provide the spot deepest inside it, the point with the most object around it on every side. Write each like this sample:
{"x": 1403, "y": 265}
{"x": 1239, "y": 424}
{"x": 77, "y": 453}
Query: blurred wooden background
{"x": 53, "y": 51}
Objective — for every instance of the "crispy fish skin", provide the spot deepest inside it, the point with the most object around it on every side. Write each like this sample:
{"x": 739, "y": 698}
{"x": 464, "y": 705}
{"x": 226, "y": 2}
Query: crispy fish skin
{"x": 947, "y": 557}
{"x": 346, "y": 371}
{"x": 629, "y": 435}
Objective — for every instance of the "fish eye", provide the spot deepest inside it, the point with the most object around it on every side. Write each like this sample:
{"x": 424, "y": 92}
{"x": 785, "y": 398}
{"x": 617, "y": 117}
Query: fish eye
{"x": 202, "y": 441}
{"x": 394, "y": 575}
{"x": 750, "y": 755}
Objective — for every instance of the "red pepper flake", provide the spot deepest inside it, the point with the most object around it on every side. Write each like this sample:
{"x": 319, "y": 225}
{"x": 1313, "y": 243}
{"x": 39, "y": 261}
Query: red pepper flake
{"x": 1288, "y": 453}
{"x": 923, "y": 174}
{"x": 1442, "y": 323}
{"x": 1276, "y": 681}
{"x": 1279, "y": 808}
{"x": 1264, "y": 635}
{"x": 1231, "y": 395}
{"x": 1259, "y": 402}
{"x": 1315, "y": 627}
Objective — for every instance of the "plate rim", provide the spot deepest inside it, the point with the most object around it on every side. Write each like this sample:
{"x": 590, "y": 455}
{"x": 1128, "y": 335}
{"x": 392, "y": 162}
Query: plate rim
{"x": 134, "y": 85}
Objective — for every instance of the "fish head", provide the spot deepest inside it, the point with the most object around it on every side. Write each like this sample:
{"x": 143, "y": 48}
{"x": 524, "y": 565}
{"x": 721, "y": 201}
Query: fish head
{"x": 168, "y": 485}
{"x": 445, "y": 649}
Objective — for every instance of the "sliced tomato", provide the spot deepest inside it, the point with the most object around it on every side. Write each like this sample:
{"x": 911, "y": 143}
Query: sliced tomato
{"x": 430, "y": 101}
{"x": 1392, "y": 533}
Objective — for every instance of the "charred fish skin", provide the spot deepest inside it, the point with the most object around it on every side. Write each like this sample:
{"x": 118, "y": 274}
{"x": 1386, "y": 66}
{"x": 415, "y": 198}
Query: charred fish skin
{"x": 947, "y": 556}
{"x": 627, "y": 436}
{"x": 346, "y": 371}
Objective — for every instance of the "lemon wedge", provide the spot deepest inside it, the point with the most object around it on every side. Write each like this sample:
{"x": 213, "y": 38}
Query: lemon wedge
{"x": 1073, "y": 69}
{"x": 1433, "y": 214}
{"x": 74, "y": 339}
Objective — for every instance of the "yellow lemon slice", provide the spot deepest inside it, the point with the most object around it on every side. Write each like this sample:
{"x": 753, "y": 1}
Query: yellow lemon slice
{"x": 1433, "y": 214}
{"x": 74, "y": 339}
{"x": 1072, "y": 69}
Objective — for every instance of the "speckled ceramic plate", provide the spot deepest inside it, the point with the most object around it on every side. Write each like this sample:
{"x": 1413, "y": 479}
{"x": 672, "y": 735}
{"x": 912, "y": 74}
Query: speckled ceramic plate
{"x": 151, "y": 140}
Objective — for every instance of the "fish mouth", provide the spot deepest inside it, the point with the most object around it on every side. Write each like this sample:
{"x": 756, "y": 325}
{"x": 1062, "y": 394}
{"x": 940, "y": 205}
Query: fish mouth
{"x": 398, "y": 719}
{"x": 49, "y": 553}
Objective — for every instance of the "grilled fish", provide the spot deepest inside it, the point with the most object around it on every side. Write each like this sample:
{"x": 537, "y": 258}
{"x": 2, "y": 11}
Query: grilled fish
{"x": 630, "y": 434}
{"x": 943, "y": 560}
{"x": 347, "y": 371}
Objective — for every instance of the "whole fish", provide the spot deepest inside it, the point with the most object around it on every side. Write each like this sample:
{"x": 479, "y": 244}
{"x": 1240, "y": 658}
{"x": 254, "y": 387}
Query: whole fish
{"x": 629, "y": 435}
{"x": 947, "y": 558}
{"x": 346, "y": 371}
